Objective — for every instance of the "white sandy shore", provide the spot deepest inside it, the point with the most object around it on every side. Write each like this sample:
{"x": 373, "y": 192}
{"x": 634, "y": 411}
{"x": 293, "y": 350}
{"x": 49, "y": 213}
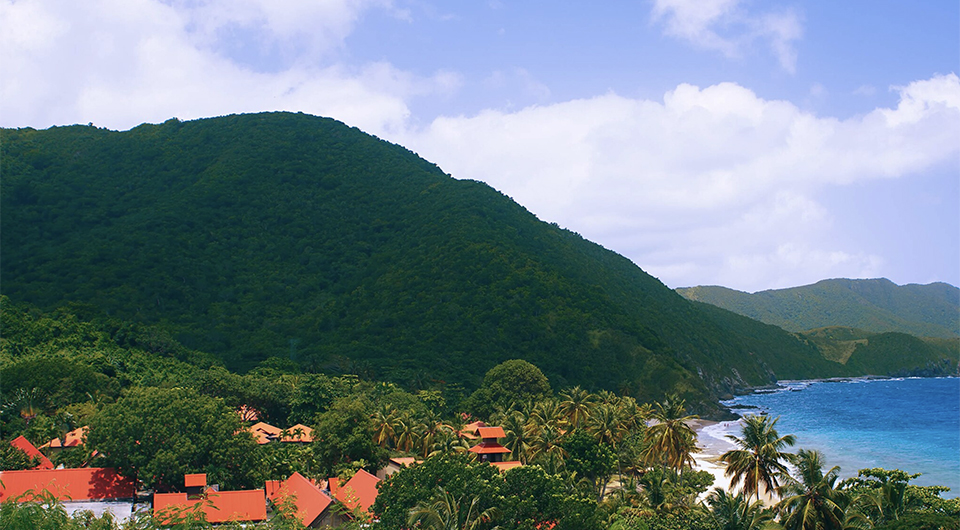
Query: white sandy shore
{"x": 710, "y": 439}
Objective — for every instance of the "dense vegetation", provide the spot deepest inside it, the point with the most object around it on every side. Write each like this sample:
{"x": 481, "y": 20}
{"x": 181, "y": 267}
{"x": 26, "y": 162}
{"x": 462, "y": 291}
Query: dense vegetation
{"x": 295, "y": 237}
{"x": 591, "y": 460}
{"x": 872, "y": 305}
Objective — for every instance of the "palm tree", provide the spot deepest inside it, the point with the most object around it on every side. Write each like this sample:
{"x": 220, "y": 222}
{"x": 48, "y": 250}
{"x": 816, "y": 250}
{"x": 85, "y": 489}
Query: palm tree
{"x": 812, "y": 501}
{"x": 384, "y": 421}
{"x": 576, "y": 405}
{"x": 446, "y": 444}
{"x": 405, "y": 434}
{"x": 545, "y": 448}
{"x": 736, "y": 512}
{"x": 446, "y": 513}
{"x": 671, "y": 441}
{"x": 759, "y": 459}
{"x": 516, "y": 440}
{"x": 607, "y": 424}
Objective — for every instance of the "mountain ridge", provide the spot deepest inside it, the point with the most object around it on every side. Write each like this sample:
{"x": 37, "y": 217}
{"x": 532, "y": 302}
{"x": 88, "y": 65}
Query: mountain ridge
{"x": 876, "y": 305}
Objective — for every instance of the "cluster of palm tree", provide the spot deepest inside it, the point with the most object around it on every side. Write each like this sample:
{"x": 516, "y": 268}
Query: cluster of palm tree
{"x": 535, "y": 431}
{"x": 422, "y": 435}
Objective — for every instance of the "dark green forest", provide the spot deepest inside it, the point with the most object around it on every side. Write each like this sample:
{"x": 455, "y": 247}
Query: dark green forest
{"x": 296, "y": 238}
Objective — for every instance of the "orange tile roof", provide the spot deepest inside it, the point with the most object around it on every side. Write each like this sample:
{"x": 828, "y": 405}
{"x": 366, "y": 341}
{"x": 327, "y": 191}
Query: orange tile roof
{"x": 194, "y": 480}
{"x": 82, "y": 484}
{"x": 503, "y": 466}
{"x": 485, "y": 448}
{"x": 224, "y": 506}
{"x": 361, "y": 490}
{"x": 306, "y": 434}
{"x": 24, "y": 445}
{"x": 73, "y": 438}
{"x": 264, "y": 432}
{"x": 310, "y": 501}
{"x": 404, "y": 461}
{"x": 491, "y": 432}
{"x": 470, "y": 430}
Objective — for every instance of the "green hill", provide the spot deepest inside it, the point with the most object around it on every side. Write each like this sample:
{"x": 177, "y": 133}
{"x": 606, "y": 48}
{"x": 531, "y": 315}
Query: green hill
{"x": 871, "y": 305}
{"x": 287, "y": 235}
{"x": 890, "y": 353}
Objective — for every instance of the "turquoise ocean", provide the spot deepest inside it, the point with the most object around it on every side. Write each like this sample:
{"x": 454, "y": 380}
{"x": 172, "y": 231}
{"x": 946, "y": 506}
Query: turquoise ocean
{"x": 912, "y": 424}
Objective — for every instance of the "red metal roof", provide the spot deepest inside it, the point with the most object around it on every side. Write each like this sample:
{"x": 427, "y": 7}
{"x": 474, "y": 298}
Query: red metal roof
{"x": 24, "y": 445}
{"x": 82, "y": 484}
{"x": 491, "y": 432}
{"x": 218, "y": 506}
{"x": 73, "y": 438}
{"x": 310, "y": 501}
{"x": 361, "y": 490}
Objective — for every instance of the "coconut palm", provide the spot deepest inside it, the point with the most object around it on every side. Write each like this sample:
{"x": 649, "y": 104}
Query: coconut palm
{"x": 671, "y": 441}
{"x": 405, "y": 433}
{"x": 760, "y": 458}
{"x": 812, "y": 500}
{"x": 608, "y": 424}
{"x": 447, "y": 513}
{"x": 576, "y": 405}
{"x": 516, "y": 439}
{"x": 545, "y": 448}
{"x": 384, "y": 422}
{"x": 446, "y": 444}
{"x": 736, "y": 512}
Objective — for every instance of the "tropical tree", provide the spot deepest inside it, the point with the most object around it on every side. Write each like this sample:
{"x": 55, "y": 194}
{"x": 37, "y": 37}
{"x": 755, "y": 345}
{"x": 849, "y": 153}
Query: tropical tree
{"x": 159, "y": 434}
{"x": 812, "y": 500}
{"x": 576, "y": 405}
{"x": 736, "y": 512}
{"x": 671, "y": 441}
{"x": 516, "y": 440}
{"x": 449, "y": 513}
{"x": 760, "y": 459}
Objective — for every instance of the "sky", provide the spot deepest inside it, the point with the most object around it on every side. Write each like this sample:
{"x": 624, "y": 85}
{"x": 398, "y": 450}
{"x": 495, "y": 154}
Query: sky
{"x": 750, "y": 144}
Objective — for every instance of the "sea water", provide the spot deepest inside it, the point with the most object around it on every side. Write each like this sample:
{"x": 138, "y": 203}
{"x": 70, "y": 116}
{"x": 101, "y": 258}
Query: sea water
{"x": 912, "y": 424}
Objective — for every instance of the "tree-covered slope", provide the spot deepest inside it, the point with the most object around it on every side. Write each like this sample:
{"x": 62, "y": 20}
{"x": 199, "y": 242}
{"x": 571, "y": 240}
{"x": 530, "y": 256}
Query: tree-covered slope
{"x": 289, "y": 235}
{"x": 872, "y": 305}
{"x": 890, "y": 353}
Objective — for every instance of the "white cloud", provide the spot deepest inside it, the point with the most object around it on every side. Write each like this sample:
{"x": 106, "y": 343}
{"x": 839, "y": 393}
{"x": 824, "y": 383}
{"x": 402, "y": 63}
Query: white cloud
{"x": 704, "y": 173}
{"x": 119, "y": 63}
{"x": 728, "y": 27}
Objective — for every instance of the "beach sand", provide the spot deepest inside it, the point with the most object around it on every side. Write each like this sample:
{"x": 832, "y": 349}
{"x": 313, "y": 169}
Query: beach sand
{"x": 712, "y": 443}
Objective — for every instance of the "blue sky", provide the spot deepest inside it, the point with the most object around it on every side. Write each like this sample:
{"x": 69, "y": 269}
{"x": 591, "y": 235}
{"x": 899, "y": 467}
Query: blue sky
{"x": 749, "y": 144}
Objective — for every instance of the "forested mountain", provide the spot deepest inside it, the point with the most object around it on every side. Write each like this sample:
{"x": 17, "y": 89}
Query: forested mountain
{"x": 871, "y": 305}
{"x": 288, "y": 235}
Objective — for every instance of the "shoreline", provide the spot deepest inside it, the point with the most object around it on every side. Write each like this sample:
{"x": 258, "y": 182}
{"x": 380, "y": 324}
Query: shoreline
{"x": 712, "y": 447}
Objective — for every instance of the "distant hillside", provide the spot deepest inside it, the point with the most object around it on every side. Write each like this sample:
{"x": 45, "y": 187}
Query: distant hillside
{"x": 890, "y": 353}
{"x": 871, "y": 305}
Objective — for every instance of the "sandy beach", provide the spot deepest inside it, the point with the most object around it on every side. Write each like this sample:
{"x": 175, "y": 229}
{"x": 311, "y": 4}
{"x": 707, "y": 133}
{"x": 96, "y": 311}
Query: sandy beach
{"x": 712, "y": 444}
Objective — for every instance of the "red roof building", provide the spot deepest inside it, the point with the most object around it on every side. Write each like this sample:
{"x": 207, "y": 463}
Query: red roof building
{"x": 82, "y": 484}
{"x": 298, "y": 433}
{"x": 358, "y": 492}
{"x": 73, "y": 438}
{"x": 489, "y": 448}
{"x": 312, "y": 503}
{"x": 218, "y": 506}
{"x": 24, "y": 445}
{"x": 265, "y": 433}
